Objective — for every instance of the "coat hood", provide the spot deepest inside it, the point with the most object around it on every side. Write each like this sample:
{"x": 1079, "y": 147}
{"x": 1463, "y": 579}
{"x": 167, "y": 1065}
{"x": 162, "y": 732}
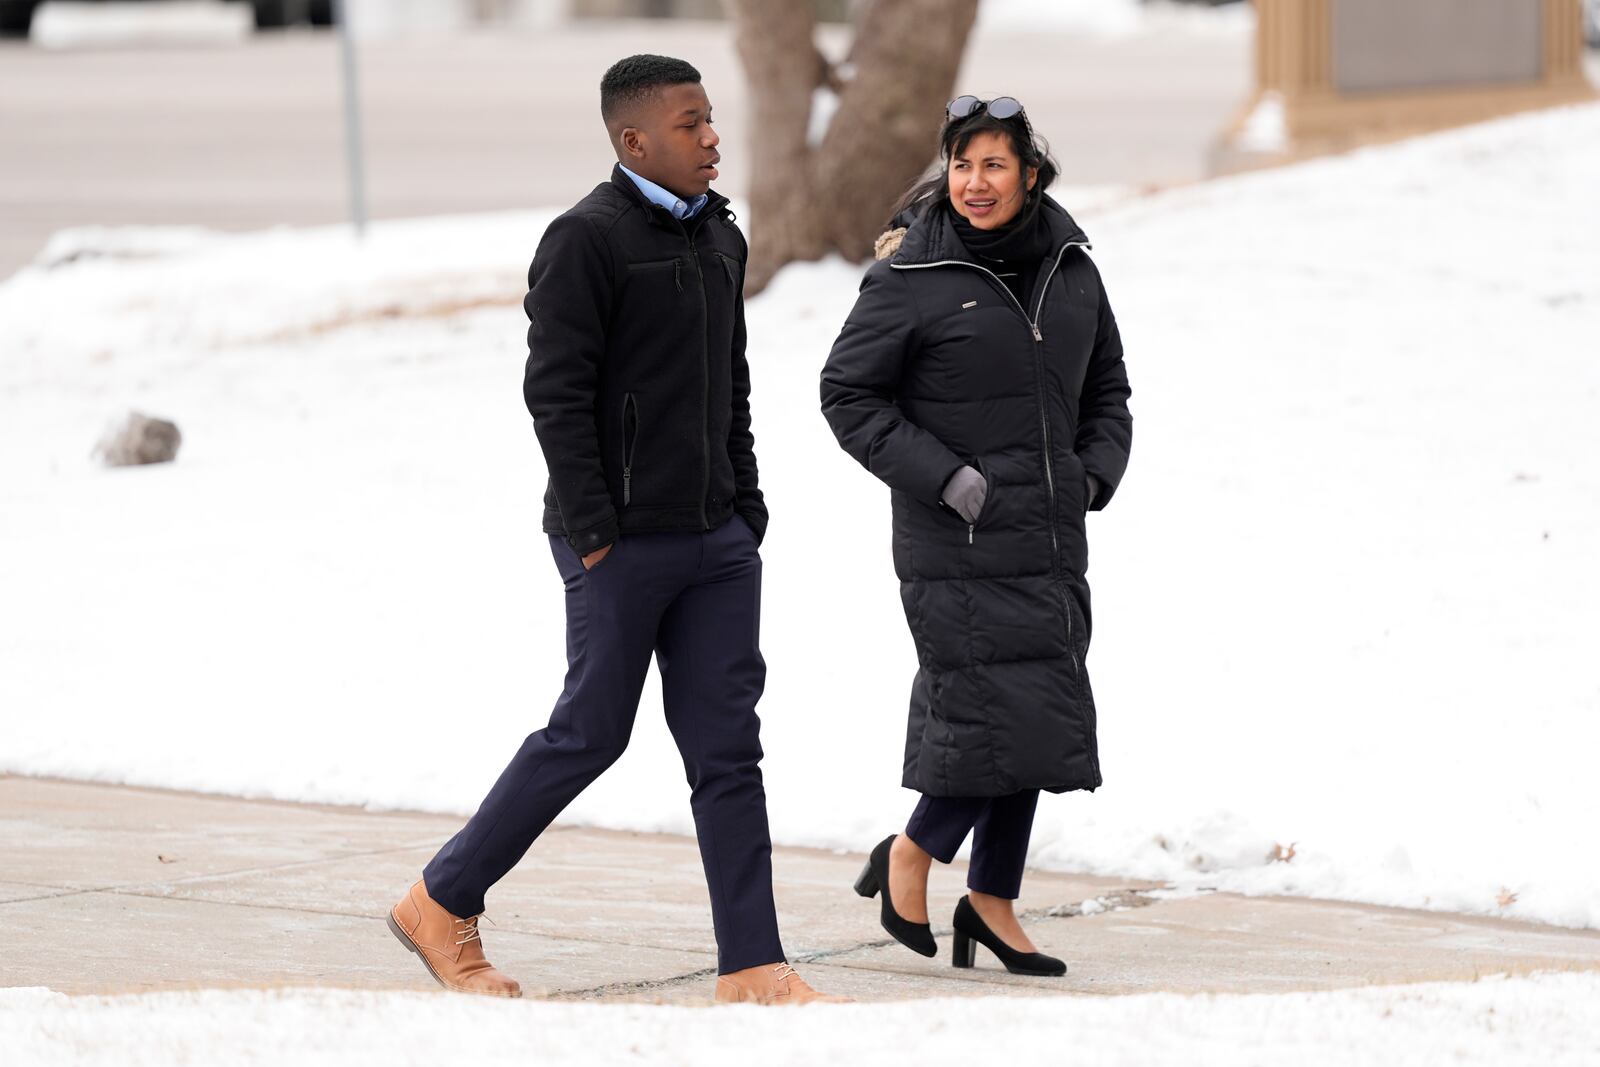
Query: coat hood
{"x": 920, "y": 235}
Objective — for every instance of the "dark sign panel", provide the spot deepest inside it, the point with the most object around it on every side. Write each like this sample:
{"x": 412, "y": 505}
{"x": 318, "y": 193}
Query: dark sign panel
{"x": 1382, "y": 45}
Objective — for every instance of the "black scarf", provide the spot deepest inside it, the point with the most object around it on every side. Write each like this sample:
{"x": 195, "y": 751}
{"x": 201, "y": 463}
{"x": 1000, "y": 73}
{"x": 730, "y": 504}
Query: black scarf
{"x": 1013, "y": 251}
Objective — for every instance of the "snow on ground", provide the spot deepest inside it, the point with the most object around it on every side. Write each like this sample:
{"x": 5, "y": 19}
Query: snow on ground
{"x": 1545, "y": 1020}
{"x": 1346, "y": 600}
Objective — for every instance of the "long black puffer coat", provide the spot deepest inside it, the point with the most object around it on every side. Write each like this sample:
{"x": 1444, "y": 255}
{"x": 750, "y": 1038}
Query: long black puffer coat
{"x": 939, "y": 366}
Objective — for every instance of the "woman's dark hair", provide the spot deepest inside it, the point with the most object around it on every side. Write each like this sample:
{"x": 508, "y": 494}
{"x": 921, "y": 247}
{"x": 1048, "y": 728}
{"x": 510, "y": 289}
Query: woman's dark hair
{"x": 957, "y": 134}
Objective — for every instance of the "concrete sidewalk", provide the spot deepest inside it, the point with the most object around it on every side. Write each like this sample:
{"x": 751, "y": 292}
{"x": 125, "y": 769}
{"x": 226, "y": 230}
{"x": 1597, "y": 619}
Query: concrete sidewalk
{"x": 107, "y": 889}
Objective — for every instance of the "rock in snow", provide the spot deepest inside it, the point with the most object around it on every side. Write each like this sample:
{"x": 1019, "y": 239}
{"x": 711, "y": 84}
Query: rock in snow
{"x": 138, "y": 439}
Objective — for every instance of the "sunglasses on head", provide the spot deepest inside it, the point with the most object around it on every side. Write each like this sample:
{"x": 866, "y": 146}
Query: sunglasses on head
{"x": 1001, "y": 107}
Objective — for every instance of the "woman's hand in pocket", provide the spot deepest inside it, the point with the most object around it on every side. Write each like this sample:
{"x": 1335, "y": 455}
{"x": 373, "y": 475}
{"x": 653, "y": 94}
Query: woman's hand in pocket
{"x": 965, "y": 493}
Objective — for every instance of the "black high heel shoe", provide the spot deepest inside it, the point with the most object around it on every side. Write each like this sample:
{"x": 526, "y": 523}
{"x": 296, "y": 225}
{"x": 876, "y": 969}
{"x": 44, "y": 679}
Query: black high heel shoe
{"x": 874, "y": 877}
{"x": 972, "y": 931}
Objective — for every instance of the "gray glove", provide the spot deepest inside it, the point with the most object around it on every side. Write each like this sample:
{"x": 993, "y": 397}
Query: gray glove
{"x": 965, "y": 493}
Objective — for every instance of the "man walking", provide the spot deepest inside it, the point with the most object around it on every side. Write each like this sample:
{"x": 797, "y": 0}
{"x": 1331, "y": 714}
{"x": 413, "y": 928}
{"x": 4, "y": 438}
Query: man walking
{"x": 639, "y": 391}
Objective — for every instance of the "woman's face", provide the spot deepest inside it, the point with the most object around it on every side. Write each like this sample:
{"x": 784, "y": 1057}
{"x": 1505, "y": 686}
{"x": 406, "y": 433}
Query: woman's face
{"x": 987, "y": 184}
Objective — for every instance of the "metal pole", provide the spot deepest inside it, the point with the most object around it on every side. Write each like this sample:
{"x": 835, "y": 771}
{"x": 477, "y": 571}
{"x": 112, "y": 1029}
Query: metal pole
{"x": 352, "y": 119}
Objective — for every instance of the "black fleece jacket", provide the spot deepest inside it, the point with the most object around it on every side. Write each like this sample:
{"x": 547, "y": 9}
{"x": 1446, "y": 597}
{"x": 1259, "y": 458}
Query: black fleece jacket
{"x": 636, "y": 376}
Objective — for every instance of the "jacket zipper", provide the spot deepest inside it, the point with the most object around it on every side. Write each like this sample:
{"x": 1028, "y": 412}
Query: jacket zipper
{"x": 663, "y": 217}
{"x": 705, "y": 379}
{"x": 629, "y": 406}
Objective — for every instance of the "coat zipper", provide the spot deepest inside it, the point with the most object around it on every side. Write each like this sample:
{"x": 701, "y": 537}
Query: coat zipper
{"x": 629, "y": 406}
{"x": 1038, "y": 370}
{"x": 1044, "y": 412}
{"x": 1049, "y": 453}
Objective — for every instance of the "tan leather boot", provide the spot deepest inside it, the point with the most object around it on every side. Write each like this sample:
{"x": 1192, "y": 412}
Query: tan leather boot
{"x": 449, "y": 947}
{"x": 772, "y": 984}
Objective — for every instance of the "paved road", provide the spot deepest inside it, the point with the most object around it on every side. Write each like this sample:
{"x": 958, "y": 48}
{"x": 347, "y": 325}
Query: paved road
{"x": 108, "y": 889}
{"x": 248, "y": 135}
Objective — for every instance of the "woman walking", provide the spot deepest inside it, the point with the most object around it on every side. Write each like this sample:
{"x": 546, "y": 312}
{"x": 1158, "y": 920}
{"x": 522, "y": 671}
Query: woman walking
{"x": 980, "y": 375}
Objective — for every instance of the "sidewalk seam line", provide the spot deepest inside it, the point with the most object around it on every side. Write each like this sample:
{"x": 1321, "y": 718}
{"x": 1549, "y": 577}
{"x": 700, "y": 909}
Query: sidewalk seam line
{"x": 369, "y": 917}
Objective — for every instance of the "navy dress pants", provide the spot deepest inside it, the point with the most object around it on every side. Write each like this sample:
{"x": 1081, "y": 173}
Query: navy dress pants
{"x": 693, "y": 600}
{"x": 1000, "y": 828}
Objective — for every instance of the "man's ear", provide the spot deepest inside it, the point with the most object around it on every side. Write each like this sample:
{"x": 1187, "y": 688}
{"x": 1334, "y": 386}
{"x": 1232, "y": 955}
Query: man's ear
{"x": 632, "y": 142}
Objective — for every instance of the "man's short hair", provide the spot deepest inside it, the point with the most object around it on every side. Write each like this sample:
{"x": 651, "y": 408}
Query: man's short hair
{"x": 633, "y": 79}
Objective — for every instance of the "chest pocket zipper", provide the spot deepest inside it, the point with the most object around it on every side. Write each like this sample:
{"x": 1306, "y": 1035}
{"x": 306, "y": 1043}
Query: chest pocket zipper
{"x": 662, "y": 264}
{"x": 630, "y": 441}
{"x": 727, "y": 268}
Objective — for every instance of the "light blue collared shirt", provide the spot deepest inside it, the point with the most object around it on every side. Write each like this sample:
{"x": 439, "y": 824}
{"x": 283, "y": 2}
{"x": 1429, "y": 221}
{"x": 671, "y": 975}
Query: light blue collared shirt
{"x": 680, "y": 208}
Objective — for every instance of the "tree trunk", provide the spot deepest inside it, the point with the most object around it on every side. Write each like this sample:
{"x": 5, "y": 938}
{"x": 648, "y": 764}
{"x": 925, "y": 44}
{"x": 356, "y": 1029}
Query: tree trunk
{"x": 810, "y": 199}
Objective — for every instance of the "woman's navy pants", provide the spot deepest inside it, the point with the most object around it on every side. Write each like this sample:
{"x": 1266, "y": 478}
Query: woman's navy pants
{"x": 1000, "y": 827}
